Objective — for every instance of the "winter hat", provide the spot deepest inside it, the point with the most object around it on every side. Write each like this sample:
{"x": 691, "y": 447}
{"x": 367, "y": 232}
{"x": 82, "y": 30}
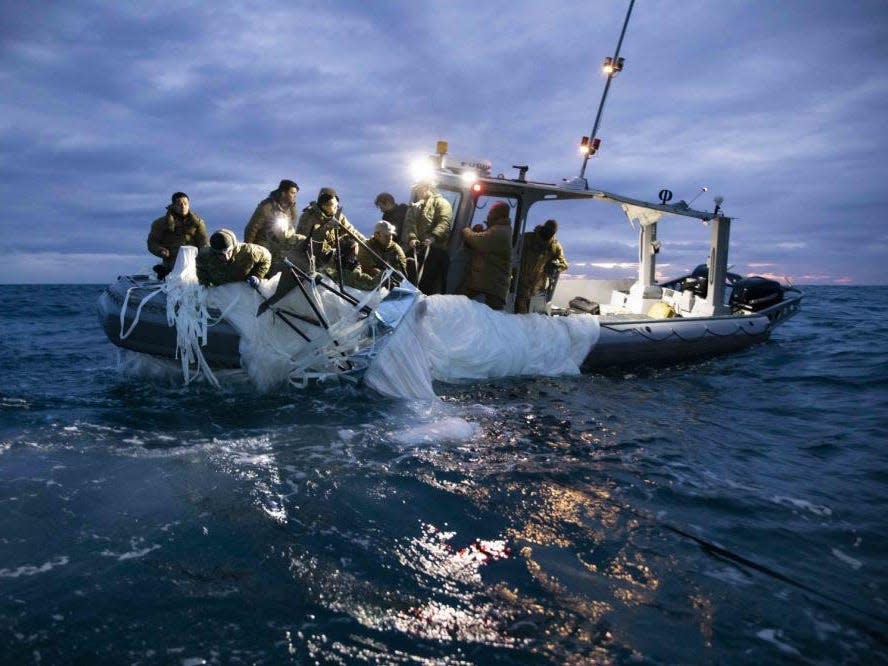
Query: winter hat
{"x": 221, "y": 240}
{"x": 548, "y": 229}
{"x": 384, "y": 227}
{"x": 499, "y": 213}
{"x": 326, "y": 194}
{"x": 177, "y": 196}
{"x": 286, "y": 185}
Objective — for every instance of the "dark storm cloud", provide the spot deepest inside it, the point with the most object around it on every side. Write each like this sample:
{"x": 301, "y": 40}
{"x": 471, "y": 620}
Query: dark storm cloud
{"x": 107, "y": 109}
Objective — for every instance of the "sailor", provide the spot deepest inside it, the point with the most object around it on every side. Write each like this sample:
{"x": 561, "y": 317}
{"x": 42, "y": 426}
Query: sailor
{"x": 427, "y": 228}
{"x": 352, "y": 274}
{"x": 487, "y": 278}
{"x": 180, "y": 226}
{"x": 542, "y": 260}
{"x": 394, "y": 213}
{"x": 323, "y": 222}
{"x": 272, "y": 221}
{"x": 225, "y": 260}
{"x": 381, "y": 250}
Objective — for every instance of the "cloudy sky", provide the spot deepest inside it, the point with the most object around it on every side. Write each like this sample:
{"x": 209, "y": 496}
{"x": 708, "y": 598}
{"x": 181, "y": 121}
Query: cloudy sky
{"x": 107, "y": 108}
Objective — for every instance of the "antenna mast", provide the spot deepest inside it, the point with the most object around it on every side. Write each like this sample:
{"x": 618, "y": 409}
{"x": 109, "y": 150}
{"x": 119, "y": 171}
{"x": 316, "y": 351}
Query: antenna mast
{"x": 612, "y": 66}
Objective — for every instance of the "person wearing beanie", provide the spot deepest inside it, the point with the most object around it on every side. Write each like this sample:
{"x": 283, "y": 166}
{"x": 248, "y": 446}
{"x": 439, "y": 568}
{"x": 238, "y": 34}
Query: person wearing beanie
{"x": 542, "y": 260}
{"x": 272, "y": 222}
{"x": 487, "y": 278}
{"x": 225, "y": 260}
{"x": 427, "y": 227}
{"x": 322, "y": 221}
{"x": 382, "y": 249}
{"x": 180, "y": 226}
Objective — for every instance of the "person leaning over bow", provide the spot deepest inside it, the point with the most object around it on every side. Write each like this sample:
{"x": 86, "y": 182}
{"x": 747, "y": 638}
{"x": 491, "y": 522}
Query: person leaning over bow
{"x": 274, "y": 216}
{"x": 487, "y": 279}
{"x": 394, "y": 213}
{"x": 542, "y": 258}
{"x": 427, "y": 231}
{"x": 322, "y": 221}
{"x": 180, "y": 226}
{"x": 382, "y": 249}
{"x": 225, "y": 260}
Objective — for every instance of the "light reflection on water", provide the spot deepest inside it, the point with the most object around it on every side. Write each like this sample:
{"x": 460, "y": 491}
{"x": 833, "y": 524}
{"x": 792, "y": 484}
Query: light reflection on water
{"x": 515, "y": 522}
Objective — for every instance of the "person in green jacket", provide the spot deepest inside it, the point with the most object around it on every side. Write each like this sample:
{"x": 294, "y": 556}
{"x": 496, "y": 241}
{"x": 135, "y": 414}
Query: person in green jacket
{"x": 322, "y": 221}
{"x": 542, "y": 260}
{"x": 381, "y": 250}
{"x": 427, "y": 227}
{"x": 272, "y": 222}
{"x": 225, "y": 260}
{"x": 487, "y": 278}
{"x": 180, "y": 226}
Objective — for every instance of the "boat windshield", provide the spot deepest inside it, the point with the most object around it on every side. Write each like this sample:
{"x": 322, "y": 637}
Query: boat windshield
{"x": 483, "y": 205}
{"x": 453, "y": 197}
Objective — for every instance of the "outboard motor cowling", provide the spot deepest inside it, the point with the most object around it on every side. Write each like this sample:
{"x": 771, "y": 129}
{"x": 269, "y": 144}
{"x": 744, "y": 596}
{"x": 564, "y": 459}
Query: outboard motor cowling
{"x": 755, "y": 293}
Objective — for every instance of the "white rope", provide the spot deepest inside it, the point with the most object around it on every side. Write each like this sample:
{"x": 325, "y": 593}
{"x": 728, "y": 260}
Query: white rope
{"x": 125, "y": 335}
{"x": 187, "y": 310}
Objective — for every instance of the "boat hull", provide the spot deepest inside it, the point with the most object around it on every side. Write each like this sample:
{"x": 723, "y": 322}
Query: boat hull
{"x": 151, "y": 334}
{"x": 622, "y": 341}
{"x": 657, "y": 342}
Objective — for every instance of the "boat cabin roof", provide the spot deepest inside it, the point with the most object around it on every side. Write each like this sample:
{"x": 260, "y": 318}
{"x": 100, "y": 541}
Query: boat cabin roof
{"x": 529, "y": 192}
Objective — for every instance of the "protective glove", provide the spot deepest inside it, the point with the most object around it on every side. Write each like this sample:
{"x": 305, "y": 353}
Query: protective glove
{"x": 253, "y": 281}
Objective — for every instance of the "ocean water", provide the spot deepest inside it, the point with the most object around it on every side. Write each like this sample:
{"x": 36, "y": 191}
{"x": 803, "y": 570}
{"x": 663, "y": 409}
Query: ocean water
{"x": 726, "y": 511}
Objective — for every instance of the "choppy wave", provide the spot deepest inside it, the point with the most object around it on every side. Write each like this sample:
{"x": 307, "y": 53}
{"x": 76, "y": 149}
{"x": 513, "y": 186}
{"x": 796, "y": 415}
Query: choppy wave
{"x": 729, "y": 510}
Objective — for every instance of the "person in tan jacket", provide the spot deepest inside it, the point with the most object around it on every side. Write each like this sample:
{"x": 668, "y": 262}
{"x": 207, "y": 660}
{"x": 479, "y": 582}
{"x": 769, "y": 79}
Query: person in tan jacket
{"x": 322, "y": 221}
{"x": 381, "y": 250}
{"x": 427, "y": 227}
{"x": 542, "y": 260}
{"x": 273, "y": 218}
{"x": 487, "y": 278}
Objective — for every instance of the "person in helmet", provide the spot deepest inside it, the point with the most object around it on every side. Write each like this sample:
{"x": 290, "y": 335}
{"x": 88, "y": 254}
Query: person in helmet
{"x": 225, "y": 260}
{"x": 323, "y": 221}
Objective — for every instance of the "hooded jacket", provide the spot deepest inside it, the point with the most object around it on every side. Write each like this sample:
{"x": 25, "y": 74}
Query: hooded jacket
{"x": 170, "y": 233}
{"x": 263, "y": 225}
{"x": 430, "y": 218}
{"x": 536, "y": 254}
{"x": 247, "y": 259}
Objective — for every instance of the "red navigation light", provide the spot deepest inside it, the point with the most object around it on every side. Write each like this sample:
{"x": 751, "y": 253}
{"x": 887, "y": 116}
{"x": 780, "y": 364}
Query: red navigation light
{"x": 584, "y": 146}
{"x": 596, "y": 143}
{"x": 476, "y": 187}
